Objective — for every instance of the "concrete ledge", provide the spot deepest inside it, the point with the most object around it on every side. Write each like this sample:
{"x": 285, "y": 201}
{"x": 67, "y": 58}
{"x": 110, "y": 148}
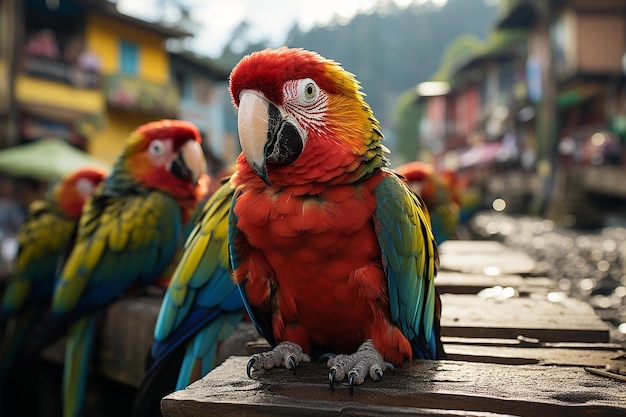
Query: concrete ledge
{"x": 423, "y": 388}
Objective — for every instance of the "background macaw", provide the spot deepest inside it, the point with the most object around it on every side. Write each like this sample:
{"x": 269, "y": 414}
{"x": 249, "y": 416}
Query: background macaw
{"x": 201, "y": 308}
{"x": 128, "y": 234}
{"x": 438, "y": 192}
{"x": 42, "y": 239}
{"x": 331, "y": 250}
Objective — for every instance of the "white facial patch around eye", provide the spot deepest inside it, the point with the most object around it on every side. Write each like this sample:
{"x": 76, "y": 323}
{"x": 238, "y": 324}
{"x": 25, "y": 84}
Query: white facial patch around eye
{"x": 156, "y": 147}
{"x": 306, "y": 102}
{"x": 84, "y": 187}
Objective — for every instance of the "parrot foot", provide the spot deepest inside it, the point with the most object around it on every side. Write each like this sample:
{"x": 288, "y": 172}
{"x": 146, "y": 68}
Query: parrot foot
{"x": 366, "y": 361}
{"x": 285, "y": 353}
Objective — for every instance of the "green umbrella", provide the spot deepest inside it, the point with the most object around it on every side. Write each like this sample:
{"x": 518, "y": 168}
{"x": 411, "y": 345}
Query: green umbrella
{"x": 45, "y": 160}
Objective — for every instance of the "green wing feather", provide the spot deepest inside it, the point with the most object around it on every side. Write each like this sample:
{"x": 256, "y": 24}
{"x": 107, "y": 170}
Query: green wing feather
{"x": 41, "y": 240}
{"x": 121, "y": 241}
{"x": 410, "y": 260}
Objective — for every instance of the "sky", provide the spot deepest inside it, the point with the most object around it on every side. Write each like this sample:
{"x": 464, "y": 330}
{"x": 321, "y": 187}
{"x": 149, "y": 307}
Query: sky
{"x": 270, "y": 19}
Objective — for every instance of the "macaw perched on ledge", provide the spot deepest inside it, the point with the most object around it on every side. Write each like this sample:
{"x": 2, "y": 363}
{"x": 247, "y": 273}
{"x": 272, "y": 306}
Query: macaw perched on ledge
{"x": 332, "y": 251}
{"x": 128, "y": 234}
{"x": 42, "y": 238}
{"x": 436, "y": 189}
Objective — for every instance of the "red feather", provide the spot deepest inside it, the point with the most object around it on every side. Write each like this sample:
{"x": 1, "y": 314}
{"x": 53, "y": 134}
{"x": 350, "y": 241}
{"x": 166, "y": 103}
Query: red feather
{"x": 267, "y": 74}
{"x": 336, "y": 227}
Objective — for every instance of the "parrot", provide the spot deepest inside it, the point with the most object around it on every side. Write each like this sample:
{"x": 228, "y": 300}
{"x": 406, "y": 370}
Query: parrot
{"x": 201, "y": 308}
{"x": 438, "y": 193}
{"x": 332, "y": 252}
{"x": 42, "y": 238}
{"x": 129, "y": 232}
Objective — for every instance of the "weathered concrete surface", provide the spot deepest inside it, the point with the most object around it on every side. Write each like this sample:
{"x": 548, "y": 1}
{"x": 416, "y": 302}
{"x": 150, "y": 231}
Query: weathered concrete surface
{"x": 569, "y": 320}
{"x": 424, "y": 387}
{"x": 478, "y": 257}
{"x": 526, "y": 356}
{"x": 458, "y": 283}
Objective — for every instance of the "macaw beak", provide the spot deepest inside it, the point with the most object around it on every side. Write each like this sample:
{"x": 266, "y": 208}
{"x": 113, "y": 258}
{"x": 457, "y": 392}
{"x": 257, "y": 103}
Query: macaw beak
{"x": 266, "y": 134}
{"x": 189, "y": 163}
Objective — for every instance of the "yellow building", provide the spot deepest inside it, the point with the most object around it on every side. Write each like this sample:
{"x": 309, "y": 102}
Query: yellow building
{"x": 89, "y": 74}
{"x": 136, "y": 71}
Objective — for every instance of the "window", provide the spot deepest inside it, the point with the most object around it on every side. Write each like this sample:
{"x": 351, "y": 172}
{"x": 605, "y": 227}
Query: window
{"x": 129, "y": 58}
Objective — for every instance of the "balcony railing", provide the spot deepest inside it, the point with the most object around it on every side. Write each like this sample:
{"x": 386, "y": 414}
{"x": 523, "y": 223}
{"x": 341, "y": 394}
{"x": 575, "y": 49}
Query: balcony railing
{"x": 59, "y": 71}
{"x": 137, "y": 95}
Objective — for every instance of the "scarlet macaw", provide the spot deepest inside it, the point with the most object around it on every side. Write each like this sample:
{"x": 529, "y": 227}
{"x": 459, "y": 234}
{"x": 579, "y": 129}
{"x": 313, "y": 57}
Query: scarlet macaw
{"x": 201, "y": 308}
{"x": 41, "y": 239}
{"x": 436, "y": 189}
{"x": 128, "y": 234}
{"x": 331, "y": 250}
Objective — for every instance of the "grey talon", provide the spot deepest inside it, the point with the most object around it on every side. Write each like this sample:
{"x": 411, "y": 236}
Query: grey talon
{"x": 390, "y": 366}
{"x": 292, "y": 363}
{"x": 351, "y": 377}
{"x": 331, "y": 378}
{"x": 326, "y": 357}
{"x": 249, "y": 367}
{"x": 379, "y": 373}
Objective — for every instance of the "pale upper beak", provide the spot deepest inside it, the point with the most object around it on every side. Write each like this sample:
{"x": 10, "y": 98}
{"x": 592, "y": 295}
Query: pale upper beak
{"x": 253, "y": 125}
{"x": 266, "y": 134}
{"x": 190, "y": 162}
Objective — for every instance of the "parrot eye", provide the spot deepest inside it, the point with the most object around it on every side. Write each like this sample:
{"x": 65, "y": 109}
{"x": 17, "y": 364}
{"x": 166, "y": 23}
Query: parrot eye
{"x": 84, "y": 186}
{"x": 156, "y": 147}
{"x": 309, "y": 90}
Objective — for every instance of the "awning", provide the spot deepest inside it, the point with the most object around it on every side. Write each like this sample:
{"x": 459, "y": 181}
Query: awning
{"x": 578, "y": 94}
{"x": 46, "y": 160}
{"x": 480, "y": 154}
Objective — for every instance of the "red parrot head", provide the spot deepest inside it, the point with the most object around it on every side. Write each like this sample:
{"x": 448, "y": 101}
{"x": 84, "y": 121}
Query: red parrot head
{"x": 420, "y": 178}
{"x": 73, "y": 190}
{"x": 302, "y": 118}
{"x": 165, "y": 155}
{"x": 453, "y": 183}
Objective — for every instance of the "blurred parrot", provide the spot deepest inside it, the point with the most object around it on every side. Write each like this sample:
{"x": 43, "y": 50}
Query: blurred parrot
{"x": 128, "y": 234}
{"x": 332, "y": 252}
{"x": 42, "y": 238}
{"x": 439, "y": 195}
{"x": 201, "y": 308}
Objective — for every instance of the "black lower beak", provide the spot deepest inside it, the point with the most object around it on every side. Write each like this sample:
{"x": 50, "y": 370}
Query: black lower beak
{"x": 180, "y": 169}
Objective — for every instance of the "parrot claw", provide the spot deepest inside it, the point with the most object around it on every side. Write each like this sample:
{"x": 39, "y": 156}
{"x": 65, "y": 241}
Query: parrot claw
{"x": 292, "y": 363}
{"x": 331, "y": 378}
{"x": 288, "y": 354}
{"x": 366, "y": 361}
{"x": 351, "y": 377}
{"x": 326, "y": 357}
{"x": 249, "y": 367}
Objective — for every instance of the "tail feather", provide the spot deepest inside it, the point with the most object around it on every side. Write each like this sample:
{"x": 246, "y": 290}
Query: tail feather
{"x": 159, "y": 382}
{"x": 78, "y": 352}
{"x": 203, "y": 347}
{"x": 441, "y": 353}
{"x": 183, "y": 362}
{"x": 17, "y": 328}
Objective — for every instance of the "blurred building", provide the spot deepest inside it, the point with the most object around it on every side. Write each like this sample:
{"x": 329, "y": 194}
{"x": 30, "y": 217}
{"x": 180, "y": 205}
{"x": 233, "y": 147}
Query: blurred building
{"x": 82, "y": 71}
{"x": 544, "y": 107}
{"x": 576, "y": 58}
{"x": 201, "y": 84}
